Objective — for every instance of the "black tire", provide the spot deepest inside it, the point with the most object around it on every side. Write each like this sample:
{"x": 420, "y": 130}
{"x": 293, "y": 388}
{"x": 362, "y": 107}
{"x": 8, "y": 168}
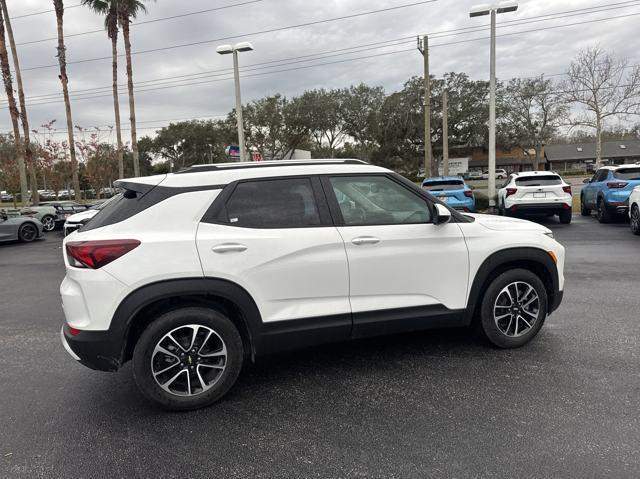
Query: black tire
{"x": 635, "y": 220}
{"x": 603, "y": 213}
{"x": 488, "y": 325}
{"x": 48, "y": 223}
{"x": 27, "y": 232}
{"x": 565, "y": 217}
{"x": 584, "y": 211}
{"x": 170, "y": 322}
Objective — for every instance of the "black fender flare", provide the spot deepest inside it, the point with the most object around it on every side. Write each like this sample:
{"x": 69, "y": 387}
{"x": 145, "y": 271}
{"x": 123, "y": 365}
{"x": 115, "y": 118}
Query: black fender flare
{"x": 183, "y": 288}
{"x": 507, "y": 256}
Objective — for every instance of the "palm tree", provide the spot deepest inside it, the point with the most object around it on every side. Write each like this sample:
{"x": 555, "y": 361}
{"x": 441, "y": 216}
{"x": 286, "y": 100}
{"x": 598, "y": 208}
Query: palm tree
{"x": 13, "y": 109}
{"x": 109, "y": 8}
{"x": 128, "y": 9}
{"x": 62, "y": 61}
{"x": 28, "y": 152}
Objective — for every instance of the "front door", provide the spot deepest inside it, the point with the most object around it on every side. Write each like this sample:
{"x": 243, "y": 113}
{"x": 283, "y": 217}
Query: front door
{"x": 399, "y": 261}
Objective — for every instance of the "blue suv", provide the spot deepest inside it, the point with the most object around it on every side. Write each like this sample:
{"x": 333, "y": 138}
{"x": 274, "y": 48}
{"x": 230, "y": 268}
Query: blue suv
{"x": 451, "y": 190}
{"x": 607, "y": 192}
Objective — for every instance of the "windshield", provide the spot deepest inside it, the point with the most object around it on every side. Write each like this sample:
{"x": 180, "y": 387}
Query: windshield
{"x": 627, "y": 174}
{"x": 539, "y": 180}
{"x": 444, "y": 185}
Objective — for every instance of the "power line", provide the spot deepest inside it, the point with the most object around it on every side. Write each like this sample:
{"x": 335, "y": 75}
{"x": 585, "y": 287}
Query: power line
{"x": 43, "y": 11}
{"x": 444, "y": 33}
{"x": 163, "y": 87}
{"x": 181, "y": 15}
{"x": 271, "y": 30}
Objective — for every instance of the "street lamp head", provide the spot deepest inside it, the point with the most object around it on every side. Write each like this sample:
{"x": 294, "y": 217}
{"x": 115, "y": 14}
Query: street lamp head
{"x": 243, "y": 47}
{"x": 507, "y": 6}
{"x": 224, "y": 49}
{"x": 480, "y": 10}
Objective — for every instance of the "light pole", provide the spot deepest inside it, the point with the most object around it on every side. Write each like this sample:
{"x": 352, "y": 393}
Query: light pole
{"x": 234, "y": 49}
{"x": 478, "y": 11}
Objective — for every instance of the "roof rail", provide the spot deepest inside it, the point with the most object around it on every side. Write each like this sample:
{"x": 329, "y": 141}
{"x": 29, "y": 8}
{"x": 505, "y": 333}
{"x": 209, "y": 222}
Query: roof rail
{"x": 266, "y": 164}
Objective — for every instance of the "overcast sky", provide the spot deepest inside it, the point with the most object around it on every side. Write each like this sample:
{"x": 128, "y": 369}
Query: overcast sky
{"x": 527, "y": 54}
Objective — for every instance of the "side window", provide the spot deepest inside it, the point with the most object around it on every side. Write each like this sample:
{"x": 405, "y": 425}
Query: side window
{"x": 602, "y": 175}
{"x": 377, "y": 200}
{"x": 282, "y": 203}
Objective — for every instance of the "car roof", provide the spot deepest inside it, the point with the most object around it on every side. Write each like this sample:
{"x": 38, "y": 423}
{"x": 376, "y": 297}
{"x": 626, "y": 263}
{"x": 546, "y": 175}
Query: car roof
{"x": 225, "y": 173}
{"x": 444, "y": 178}
{"x": 522, "y": 174}
{"x": 617, "y": 167}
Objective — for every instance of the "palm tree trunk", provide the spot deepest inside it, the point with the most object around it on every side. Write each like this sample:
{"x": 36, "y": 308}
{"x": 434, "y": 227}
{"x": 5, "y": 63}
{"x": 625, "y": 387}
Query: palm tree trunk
{"x": 116, "y": 105}
{"x": 28, "y": 152}
{"x": 13, "y": 111}
{"x": 62, "y": 60}
{"x": 132, "y": 108}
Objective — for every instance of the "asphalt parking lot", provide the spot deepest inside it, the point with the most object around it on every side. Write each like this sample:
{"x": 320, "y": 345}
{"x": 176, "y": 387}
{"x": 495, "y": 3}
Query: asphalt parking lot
{"x": 434, "y": 404}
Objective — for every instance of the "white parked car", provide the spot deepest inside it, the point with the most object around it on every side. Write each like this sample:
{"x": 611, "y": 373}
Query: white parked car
{"x": 500, "y": 174}
{"x": 191, "y": 274}
{"x": 536, "y": 192}
{"x": 634, "y": 210}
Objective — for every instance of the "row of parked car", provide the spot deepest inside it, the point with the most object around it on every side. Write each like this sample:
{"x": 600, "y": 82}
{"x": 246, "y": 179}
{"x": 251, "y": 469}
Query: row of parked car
{"x": 29, "y": 223}
{"x": 610, "y": 192}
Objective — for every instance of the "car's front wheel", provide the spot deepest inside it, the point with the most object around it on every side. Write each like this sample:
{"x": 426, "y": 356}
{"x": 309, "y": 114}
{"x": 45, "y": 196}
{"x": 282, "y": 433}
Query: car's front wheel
{"x": 48, "y": 223}
{"x": 584, "y": 211}
{"x": 188, "y": 358}
{"x": 635, "y": 220}
{"x": 513, "y": 309}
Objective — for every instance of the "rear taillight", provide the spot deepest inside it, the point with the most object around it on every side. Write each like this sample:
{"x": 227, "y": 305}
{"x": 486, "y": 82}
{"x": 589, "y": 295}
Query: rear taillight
{"x": 511, "y": 191}
{"x": 96, "y": 254}
{"x": 468, "y": 193}
{"x": 566, "y": 189}
{"x": 617, "y": 184}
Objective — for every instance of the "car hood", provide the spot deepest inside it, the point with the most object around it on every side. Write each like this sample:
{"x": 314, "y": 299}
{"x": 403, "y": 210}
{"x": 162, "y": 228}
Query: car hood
{"x": 83, "y": 215}
{"x": 503, "y": 223}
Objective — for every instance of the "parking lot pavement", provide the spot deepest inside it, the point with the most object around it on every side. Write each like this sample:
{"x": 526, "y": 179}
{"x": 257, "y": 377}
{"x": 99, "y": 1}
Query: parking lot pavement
{"x": 433, "y": 404}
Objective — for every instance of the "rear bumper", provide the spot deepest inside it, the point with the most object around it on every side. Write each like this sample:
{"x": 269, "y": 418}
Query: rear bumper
{"x": 539, "y": 207}
{"x": 98, "y": 350}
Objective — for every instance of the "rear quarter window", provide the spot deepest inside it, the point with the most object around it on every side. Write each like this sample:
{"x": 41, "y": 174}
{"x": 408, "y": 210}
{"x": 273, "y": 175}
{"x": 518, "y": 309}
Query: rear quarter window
{"x": 540, "y": 180}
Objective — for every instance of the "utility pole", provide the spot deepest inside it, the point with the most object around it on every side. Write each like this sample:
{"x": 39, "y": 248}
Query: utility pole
{"x": 492, "y": 117}
{"x": 445, "y": 134}
{"x": 423, "y": 47}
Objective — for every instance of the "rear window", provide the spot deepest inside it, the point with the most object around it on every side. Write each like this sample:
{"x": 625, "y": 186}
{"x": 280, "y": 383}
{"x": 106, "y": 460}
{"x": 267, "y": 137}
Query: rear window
{"x": 540, "y": 180}
{"x": 443, "y": 185}
{"x": 627, "y": 174}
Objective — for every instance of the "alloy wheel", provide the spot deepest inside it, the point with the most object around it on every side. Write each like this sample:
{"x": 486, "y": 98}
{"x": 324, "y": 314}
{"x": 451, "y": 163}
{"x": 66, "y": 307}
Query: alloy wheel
{"x": 516, "y": 309}
{"x": 48, "y": 223}
{"x": 189, "y": 360}
{"x": 28, "y": 232}
{"x": 635, "y": 220}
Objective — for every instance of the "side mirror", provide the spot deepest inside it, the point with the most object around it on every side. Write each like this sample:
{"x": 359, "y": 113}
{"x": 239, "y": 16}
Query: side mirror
{"x": 442, "y": 215}
{"x": 586, "y": 180}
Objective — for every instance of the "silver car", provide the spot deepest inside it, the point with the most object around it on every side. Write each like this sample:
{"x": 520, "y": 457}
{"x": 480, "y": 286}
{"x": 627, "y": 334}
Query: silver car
{"x": 21, "y": 228}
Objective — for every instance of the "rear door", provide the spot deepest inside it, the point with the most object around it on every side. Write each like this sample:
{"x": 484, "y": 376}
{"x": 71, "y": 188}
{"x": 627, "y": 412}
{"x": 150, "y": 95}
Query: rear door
{"x": 400, "y": 262}
{"x": 274, "y": 237}
{"x": 596, "y": 185}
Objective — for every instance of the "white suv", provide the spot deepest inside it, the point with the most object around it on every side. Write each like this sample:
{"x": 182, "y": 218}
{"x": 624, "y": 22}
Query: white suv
{"x": 536, "y": 192}
{"x": 190, "y": 274}
{"x": 634, "y": 210}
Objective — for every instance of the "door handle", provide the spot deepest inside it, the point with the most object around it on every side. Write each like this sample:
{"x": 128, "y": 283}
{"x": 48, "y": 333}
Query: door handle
{"x": 229, "y": 248}
{"x": 365, "y": 240}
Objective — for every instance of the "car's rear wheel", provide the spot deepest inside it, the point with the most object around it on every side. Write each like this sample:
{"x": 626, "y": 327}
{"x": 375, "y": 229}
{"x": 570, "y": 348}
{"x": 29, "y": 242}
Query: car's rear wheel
{"x": 27, "y": 232}
{"x": 188, "y": 358}
{"x": 565, "y": 217}
{"x": 635, "y": 220}
{"x": 48, "y": 223}
{"x": 513, "y": 309}
{"x": 584, "y": 211}
{"x": 603, "y": 213}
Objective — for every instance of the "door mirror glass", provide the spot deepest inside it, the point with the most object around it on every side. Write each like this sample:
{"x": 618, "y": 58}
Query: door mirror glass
{"x": 586, "y": 180}
{"x": 442, "y": 214}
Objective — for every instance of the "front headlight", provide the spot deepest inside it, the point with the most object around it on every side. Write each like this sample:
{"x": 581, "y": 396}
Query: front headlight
{"x": 549, "y": 234}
